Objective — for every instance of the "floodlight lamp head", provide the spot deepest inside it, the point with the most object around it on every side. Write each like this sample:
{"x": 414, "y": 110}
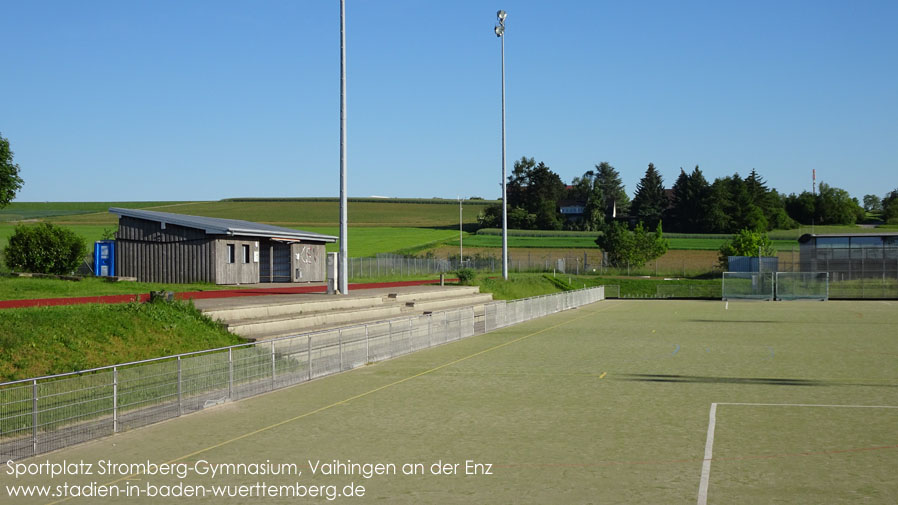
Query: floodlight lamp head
{"x": 501, "y": 15}
{"x": 499, "y": 29}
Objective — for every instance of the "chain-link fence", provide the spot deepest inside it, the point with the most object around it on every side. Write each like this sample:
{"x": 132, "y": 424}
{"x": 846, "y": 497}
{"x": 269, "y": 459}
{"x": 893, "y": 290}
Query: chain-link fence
{"x": 853, "y": 272}
{"x": 48, "y": 413}
{"x": 393, "y": 266}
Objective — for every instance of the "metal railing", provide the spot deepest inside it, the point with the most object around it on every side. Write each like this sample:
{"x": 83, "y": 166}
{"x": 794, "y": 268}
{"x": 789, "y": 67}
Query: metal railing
{"x": 47, "y": 413}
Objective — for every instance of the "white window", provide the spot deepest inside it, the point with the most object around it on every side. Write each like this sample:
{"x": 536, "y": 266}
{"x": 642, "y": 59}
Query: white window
{"x": 231, "y": 253}
{"x": 246, "y": 253}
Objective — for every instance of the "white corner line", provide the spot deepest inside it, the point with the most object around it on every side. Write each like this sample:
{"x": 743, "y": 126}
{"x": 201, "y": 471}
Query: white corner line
{"x": 706, "y": 462}
{"x": 808, "y": 405}
{"x": 712, "y": 422}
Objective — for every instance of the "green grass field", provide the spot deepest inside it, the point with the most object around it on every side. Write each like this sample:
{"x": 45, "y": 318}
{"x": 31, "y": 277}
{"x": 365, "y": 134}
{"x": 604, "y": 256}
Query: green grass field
{"x": 610, "y": 403}
{"x": 367, "y": 242}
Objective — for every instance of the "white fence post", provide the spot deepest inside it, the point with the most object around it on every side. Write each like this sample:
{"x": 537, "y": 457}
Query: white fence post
{"x": 367, "y": 344}
{"x": 310, "y": 357}
{"x": 472, "y": 319}
{"x": 115, "y": 399}
{"x": 272, "y": 365}
{"x": 34, "y": 416}
{"x": 180, "y": 408}
{"x": 230, "y": 373}
{"x": 340, "y": 343}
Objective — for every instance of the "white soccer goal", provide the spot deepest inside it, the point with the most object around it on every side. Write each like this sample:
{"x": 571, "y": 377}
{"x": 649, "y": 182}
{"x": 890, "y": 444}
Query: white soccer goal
{"x": 748, "y": 285}
{"x": 802, "y": 286}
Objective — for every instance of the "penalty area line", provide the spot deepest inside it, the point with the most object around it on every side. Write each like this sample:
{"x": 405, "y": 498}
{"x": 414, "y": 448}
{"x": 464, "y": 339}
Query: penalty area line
{"x": 712, "y": 422}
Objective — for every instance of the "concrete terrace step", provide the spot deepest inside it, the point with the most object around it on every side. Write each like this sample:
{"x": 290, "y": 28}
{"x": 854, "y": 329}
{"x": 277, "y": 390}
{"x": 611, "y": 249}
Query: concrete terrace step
{"x": 434, "y": 305}
{"x": 268, "y": 317}
{"x": 256, "y": 311}
{"x": 258, "y": 328}
{"x": 448, "y": 292}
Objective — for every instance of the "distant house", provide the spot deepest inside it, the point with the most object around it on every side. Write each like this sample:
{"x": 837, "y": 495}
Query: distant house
{"x": 176, "y": 248}
{"x": 572, "y": 210}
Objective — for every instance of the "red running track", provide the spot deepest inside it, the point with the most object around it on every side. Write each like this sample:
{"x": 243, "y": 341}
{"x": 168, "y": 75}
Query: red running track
{"x": 196, "y": 295}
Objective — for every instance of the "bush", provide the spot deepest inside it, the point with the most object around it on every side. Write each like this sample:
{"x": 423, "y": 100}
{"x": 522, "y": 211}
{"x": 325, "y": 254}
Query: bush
{"x": 465, "y": 275}
{"x": 623, "y": 247}
{"x": 45, "y": 249}
{"x": 745, "y": 243}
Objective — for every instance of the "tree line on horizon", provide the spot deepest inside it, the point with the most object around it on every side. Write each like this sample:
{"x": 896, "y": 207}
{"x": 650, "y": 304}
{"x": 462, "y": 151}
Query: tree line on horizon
{"x": 691, "y": 205}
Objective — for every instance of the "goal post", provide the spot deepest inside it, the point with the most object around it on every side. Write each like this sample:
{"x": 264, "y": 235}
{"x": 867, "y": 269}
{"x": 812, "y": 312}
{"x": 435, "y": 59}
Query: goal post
{"x": 748, "y": 285}
{"x": 802, "y": 286}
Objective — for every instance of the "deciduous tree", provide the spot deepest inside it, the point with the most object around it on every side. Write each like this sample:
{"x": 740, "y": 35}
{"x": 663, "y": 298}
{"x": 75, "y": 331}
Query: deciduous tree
{"x": 10, "y": 182}
{"x": 623, "y": 247}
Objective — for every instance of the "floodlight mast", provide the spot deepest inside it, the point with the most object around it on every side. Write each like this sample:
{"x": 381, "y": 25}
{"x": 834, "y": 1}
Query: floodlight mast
{"x": 342, "y": 281}
{"x": 500, "y": 32}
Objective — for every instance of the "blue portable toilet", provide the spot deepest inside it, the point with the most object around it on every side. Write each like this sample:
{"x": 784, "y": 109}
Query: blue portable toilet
{"x": 104, "y": 258}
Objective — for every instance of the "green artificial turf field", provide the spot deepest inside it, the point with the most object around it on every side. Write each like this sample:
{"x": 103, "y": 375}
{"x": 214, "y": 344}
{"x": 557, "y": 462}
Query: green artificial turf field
{"x": 615, "y": 402}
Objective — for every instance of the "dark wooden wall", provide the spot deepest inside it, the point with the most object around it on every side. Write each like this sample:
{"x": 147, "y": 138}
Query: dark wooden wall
{"x": 174, "y": 255}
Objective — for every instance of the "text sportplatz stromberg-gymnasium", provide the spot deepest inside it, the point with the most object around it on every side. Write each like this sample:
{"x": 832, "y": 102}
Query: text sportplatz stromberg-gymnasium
{"x": 205, "y": 468}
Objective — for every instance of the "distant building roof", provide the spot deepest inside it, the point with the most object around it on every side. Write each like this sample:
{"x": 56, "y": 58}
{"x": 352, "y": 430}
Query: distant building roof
{"x": 808, "y": 236}
{"x": 218, "y": 226}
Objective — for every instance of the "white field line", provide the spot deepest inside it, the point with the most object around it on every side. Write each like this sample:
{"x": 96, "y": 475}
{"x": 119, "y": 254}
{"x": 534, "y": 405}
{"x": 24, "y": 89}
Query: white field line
{"x": 706, "y": 463}
{"x": 810, "y": 405}
{"x": 712, "y": 422}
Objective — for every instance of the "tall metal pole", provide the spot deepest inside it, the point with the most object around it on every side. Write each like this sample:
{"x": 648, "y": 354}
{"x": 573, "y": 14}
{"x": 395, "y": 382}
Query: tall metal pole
{"x": 461, "y": 251}
{"x": 500, "y": 32}
{"x": 342, "y": 282}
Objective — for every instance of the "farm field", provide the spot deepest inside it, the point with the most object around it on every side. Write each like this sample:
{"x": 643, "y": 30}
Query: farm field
{"x": 17, "y": 211}
{"x": 577, "y": 241}
{"x": 673, "y": 402}
{"x": 316, "y": 213}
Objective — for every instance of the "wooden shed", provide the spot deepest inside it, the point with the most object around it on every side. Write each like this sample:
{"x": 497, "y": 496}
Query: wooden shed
{"x": 176, "y": 248}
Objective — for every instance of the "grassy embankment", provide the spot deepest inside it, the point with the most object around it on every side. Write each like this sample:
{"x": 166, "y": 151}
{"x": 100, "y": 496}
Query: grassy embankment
{"x": 51, "y": 340}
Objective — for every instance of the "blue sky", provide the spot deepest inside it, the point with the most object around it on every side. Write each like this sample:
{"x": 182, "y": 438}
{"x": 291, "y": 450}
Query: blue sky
{"x": 197, "y": 100}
